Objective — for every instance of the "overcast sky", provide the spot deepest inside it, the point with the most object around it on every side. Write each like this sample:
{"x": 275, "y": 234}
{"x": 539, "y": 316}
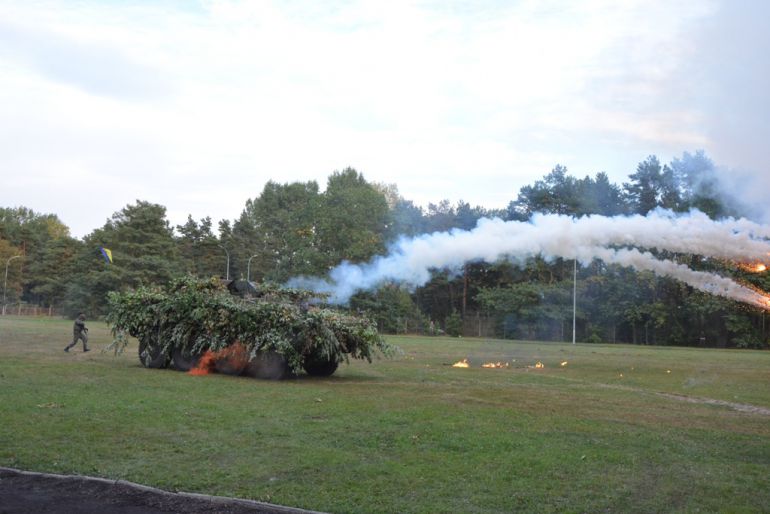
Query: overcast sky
{"x": 196, "y": 104}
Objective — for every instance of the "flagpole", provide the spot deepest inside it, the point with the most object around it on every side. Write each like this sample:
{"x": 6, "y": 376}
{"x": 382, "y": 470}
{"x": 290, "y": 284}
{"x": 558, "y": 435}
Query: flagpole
{"x": 227, "y": 273}
{"x": 574, "y": 298}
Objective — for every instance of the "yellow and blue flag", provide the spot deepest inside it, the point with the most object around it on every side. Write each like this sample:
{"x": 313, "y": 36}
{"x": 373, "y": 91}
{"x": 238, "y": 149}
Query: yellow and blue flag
{"x": 107, "y": 254}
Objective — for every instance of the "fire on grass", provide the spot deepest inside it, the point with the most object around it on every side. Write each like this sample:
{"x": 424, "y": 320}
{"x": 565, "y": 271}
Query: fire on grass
{"x": 500, "y": 365}
{"x": 465, "y": 364}
{"x": 496, "y": 365}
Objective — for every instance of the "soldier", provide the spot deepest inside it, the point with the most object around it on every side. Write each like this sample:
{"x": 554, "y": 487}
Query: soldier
{"x": 79, "y": 331}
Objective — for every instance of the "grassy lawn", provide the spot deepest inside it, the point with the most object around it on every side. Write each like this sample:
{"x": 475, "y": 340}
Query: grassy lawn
{"x": 618, "y": 428}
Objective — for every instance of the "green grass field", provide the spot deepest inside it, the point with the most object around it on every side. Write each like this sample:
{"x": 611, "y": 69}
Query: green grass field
{"x": 618, "y": 428}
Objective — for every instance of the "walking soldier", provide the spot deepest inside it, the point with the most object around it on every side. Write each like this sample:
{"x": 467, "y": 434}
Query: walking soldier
{"x": 79, "y": 331}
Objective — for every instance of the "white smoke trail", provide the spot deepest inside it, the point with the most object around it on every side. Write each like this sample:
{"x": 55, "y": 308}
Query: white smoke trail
{"x": 701, "y": 280}
{"x": 612, "y": 239}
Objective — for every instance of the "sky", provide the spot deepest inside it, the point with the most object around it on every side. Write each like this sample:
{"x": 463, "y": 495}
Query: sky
{"x": 196, "y": 104}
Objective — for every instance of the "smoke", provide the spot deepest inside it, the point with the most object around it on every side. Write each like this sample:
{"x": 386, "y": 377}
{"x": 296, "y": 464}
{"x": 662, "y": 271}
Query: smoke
{"x": 623, "y": 240}
{"x": 736, "y": 191}
{"x": 708, "y": 282}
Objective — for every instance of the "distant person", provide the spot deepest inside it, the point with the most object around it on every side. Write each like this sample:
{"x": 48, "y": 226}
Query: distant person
{"x": 79, "y": 331}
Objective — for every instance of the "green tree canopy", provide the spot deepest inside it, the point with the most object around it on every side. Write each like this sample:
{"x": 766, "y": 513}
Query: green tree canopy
{"x": 353, "y": 219}
{"x": 143, "y": 249}
{"x": 280, "y": 228}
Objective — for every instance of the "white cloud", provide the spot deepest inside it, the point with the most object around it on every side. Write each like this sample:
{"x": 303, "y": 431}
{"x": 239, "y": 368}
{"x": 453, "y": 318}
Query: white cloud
{"x": 196, "y": 106}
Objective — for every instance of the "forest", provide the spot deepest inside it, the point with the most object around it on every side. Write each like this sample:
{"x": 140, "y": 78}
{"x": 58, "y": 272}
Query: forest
{"x": 298, "y": 228}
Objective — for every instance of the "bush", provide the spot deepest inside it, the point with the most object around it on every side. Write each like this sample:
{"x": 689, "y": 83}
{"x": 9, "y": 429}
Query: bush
{"x": 454, "y": 324}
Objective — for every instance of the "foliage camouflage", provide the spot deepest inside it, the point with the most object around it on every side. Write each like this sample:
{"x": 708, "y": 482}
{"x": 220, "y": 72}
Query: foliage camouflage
{"x": 194, "y": 316}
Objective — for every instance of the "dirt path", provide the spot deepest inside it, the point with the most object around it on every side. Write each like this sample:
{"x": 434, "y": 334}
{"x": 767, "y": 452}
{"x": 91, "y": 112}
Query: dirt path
{"x": 23, "y": 492}
{"x": 742, "y": 407}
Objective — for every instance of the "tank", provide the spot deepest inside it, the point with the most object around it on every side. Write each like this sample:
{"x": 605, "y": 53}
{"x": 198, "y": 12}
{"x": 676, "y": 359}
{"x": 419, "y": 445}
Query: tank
{"x": 269, "y": 332}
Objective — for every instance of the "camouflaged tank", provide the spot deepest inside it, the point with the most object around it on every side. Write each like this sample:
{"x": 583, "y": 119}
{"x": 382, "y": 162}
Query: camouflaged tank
{"x": 204, "y": 326}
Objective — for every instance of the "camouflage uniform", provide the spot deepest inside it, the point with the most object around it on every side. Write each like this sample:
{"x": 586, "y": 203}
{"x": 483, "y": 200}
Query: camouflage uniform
{"x": 79, "y": 331}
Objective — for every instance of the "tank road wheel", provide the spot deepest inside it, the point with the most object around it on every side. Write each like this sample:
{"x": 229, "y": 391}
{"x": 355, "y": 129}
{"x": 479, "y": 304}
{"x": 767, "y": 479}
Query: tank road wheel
{"x": 151, "y": 354}
{"x": 184, "y": 360}
{"x": 320, "y": 367}
{"x": 268, "y": 365}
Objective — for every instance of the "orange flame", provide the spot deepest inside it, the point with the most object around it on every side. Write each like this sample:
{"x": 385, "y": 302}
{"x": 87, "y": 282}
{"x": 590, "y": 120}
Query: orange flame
{"x": 205, "y": 365}
{"x": 461, "y": 364}
{"x": 495, "y": 365}
{"x": 235, "y": 356}
{"x": 563, "y": 363}
{"x": 539, "y": 365}
{"x": 753, "y": 267}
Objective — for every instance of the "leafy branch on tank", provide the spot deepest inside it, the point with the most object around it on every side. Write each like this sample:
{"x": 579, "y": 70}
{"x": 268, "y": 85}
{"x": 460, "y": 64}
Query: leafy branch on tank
{"x": 271, "y": 333}
{"x": 269, "y": 291}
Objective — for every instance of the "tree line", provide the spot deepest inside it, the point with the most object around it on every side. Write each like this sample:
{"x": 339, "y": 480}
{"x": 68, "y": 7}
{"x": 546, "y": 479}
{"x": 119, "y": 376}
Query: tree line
{"x": 292, "y": 229}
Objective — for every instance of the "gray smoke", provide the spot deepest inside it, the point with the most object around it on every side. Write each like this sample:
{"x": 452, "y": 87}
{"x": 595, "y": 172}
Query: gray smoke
{"x": 624, "y": 240}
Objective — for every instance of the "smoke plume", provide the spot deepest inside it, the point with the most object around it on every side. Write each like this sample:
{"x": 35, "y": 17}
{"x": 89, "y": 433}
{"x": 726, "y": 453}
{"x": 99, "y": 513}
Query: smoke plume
{"x": 623, "y": 240}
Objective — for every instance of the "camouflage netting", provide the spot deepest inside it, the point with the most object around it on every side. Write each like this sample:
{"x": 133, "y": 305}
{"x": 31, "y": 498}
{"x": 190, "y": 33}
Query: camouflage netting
{"x": 182, "y": 322}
